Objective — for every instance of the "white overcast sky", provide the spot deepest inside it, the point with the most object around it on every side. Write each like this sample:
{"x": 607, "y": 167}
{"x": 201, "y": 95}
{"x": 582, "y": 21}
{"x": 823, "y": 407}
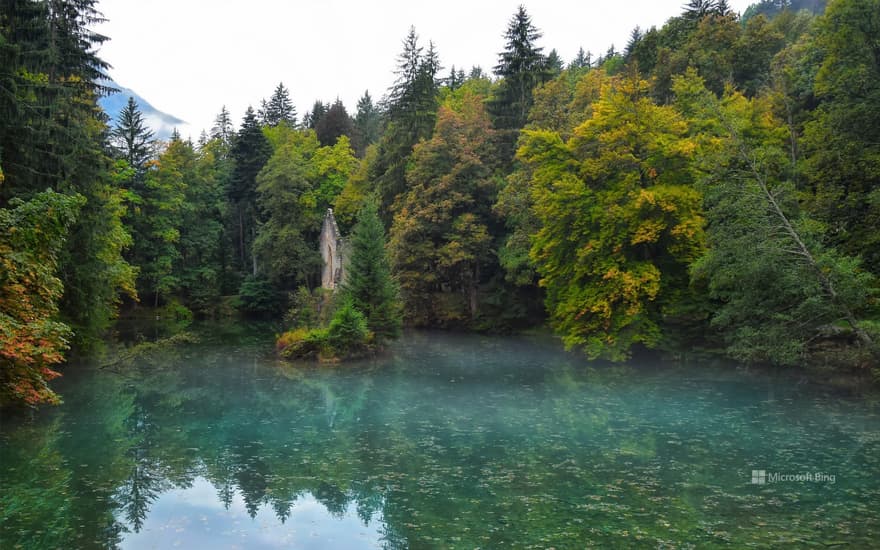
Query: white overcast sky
{"x": 190, "y": 57}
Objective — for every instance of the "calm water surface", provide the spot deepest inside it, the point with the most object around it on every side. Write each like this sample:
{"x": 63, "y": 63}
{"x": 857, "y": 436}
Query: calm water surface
{"x": 450, "y": 441}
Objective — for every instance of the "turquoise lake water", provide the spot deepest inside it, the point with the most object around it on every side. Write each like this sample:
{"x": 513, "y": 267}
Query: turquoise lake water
{"x": 448, "y": 441}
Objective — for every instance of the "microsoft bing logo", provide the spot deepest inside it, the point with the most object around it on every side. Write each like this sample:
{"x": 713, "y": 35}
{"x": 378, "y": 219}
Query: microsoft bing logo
{"x": 759, "y": 477}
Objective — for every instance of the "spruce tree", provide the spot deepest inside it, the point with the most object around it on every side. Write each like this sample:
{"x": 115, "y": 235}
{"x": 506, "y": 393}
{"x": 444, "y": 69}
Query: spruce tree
{"x": 52, "y": 135}
{"x": 334, "y": 124}
{"x": 696, "y": 10}
{"x": 581, "y": 60}
{"x": 522, "y": 67}
{"x": 222, "y": 128}
{"x": 278, "y": 109}
{"x": 133, "y": 140}
{"x": 366, "y": 124}
{"x": 311, "y": 118}
{"x": 553, "y": 64}
{"x": 250, "y": 151}
{"x": 368, "y": 281}
{"x": 634, "y": 38}
{"x": 412, "y": 112}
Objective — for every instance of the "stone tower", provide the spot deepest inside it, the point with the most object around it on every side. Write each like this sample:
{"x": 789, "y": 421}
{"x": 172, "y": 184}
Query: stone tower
{"x": 332, "y": 251}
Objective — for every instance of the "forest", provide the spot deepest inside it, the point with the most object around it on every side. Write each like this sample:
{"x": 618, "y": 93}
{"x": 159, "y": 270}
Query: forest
{"x": 712, "y": 188}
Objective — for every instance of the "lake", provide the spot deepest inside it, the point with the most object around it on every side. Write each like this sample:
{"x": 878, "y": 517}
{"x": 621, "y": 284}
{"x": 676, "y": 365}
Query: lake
{"x": 448, "y": 441}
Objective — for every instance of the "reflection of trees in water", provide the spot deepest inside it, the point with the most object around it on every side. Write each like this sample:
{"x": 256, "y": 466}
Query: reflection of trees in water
{"x": 514, "y": 458}
{"x": 408, "y": 451}
{"x": 224, "y": 477}
{"x": 146, "y": 479}
{"x": 251, "y": 476}
{"x": 138, "y": 492}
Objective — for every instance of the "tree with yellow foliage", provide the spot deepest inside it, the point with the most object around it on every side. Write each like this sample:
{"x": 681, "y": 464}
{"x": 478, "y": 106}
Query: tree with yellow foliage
{"x": 620, "y": 220}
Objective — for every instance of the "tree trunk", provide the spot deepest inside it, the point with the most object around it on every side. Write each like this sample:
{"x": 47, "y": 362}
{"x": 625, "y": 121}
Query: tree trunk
{"x": 241, "y": 235}
{"x": 802, "y": 249}
{"x": 473, "y": 298}
{"x": 253, "y": 250}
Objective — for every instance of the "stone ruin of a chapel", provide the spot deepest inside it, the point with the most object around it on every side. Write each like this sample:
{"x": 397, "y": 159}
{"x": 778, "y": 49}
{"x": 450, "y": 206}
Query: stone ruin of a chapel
{"x": 332, "y": 252}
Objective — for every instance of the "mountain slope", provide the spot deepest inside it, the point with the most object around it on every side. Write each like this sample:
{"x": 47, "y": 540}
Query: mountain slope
{"x": 161, "y": 123}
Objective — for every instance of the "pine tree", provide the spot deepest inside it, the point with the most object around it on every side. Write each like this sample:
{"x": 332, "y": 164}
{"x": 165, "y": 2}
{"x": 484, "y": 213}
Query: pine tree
{"x": 53, "y": 135}
{"x": 581, "y": 60}
{"x": 278, "y": 109}
{"x": 133, "y": 140}
{"x": 408, "y": 63}
{"x": 368, "y": 280}
{"x": 634, "y": 38}
{"x": 695, "y": 10}
{"x": 521, "y": 65}
{"x": 413, "y": 97}
{"x": 161, "y": 215}
{"x": 553, "y": 65}
{"x": 722, "y": 8}
{"x": 250, "y": 151}
{"x": 366, "y": 124}
{"x": 412, "y": 112}
{"x": 334, "y": 124}
{"x": 222, "y": 128}
{"x": 455, "y": 79}
{"x": 311, "y": 118}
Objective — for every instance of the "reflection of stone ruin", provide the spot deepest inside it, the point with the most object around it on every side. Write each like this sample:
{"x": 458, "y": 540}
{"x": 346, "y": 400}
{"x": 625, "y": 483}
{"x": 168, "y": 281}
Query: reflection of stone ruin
{"x": 333, "y": 252}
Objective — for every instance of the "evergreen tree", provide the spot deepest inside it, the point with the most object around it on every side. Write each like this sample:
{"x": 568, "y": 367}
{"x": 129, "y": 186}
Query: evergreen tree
{"x": 582, "y": 60}
{"x": 412, "y": 112}
{"x": 263, "y": 113}
{"x": 52, "y": 135}
{"x": 279, "y": 108}
{"x": 842, "y": 140}
{"x": 367, "y": 123}
{"x": 133, "y": 140}
{"x": 156, "y": 248}
{"x": 553, "y": 65}
{"x": 522, "y": 67}
{"x": 311, "y": 118}
{"x": 250, "y": 152}
{"x": 455, "y": 79}
{"x": 634, "y": 38}
{"x": 408, "y": 65}
{"x": 695, "y": 10}
{"x": 334, "y": 124}
{"x": 368, "y": 281}
{"x": 222, "y": 128}
{"x": 413, "y": 97}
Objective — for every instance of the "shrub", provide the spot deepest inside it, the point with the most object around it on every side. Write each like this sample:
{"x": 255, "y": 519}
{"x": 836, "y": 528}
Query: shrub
{"x": 348, "y": 332}
{"x": 258, "y": 297}
{"x": 301, "y": 343}
{"x": 346, "y": 336}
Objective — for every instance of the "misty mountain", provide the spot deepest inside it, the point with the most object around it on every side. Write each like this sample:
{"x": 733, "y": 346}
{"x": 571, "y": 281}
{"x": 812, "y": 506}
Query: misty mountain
{"x": 161, "y": 123}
